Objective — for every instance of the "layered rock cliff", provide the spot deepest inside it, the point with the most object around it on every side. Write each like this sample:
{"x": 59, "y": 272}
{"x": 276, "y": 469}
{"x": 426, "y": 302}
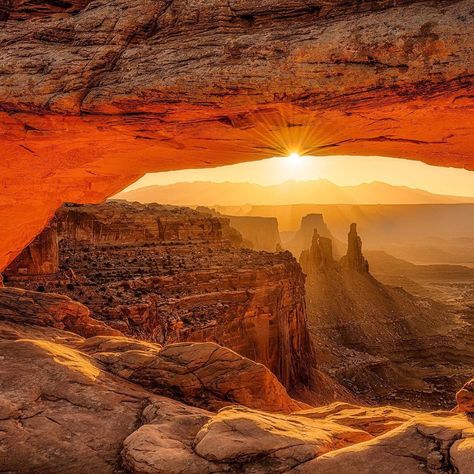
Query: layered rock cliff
{"x": 261, "y": 232}
{"x": 113, "y": 89}
{"x": 303, "y": 238}
{"x": 381, "y": 342}
{"x": 168, "y": 274}
{"x": 258, "y": 233}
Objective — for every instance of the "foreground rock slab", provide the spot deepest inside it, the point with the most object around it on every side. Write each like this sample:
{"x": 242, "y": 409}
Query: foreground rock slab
{"x": 424, "y": 444}
{"x": 60, "y": 412}
{"x": 200, "y": 374}
{"x": 66, "y": 406}
{"x": 50, "y": 310}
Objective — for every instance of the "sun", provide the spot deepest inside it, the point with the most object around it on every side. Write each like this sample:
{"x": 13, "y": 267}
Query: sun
{"x": 294, "y": 159}
{"x": 294, "y": 166}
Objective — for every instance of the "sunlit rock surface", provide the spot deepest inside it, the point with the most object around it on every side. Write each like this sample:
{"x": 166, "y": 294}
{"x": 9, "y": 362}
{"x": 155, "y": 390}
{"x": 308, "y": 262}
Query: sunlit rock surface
{"x": 69, "y": 404}
{"x": 417, "y": 446}
{"x": 111, "y": 90}
{"x": 200, "y": 374}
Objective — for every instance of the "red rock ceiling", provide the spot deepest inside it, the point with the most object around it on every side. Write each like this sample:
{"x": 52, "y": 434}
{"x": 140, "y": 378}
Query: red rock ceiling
{"x": 92, "y": 96}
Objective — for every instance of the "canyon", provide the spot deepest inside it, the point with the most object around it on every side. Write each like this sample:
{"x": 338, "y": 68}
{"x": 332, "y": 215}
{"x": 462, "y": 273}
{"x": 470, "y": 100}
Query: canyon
{"x": 380, "y": 341}
{"x": 112, "y": 404}
{"x": 121, "y": 326}
{"x": 173, "y": 274}
{"x": 420, "y": 233}
{"x": 329, "y": 330}
{"x": 145, "y": 339}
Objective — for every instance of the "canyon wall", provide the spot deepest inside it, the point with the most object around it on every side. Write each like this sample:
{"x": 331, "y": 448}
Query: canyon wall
{"x": 261, "y": 232}
{"x": 41, "y": 257}
{"x": 169, "y": 274}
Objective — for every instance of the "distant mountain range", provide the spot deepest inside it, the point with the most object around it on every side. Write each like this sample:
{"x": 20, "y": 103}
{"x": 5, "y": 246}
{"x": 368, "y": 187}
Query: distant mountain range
{"x": 290, "y": 192}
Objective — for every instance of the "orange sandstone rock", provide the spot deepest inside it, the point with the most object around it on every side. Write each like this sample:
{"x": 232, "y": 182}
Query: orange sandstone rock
{"x": 50, "y": 310}
{"x": 201, "y": 374}
{"x": 125, "y": 87}
{"x": 465, "y": 397}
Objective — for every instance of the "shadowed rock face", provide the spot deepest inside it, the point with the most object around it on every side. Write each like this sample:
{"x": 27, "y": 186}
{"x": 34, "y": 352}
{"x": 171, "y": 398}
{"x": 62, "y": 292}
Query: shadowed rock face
{"x": 381, "y": 342}
{"x": 41, "y": 257}
{"x": 465, "y": 397}
{"x": 121, "y": 87}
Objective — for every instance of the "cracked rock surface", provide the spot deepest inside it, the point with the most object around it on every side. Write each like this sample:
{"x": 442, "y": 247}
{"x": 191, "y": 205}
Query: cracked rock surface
{"x": 201, "y": 374}
{"x": 68, "y": 404}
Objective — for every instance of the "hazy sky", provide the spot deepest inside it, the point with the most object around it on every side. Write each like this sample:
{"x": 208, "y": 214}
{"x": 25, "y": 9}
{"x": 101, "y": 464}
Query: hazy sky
{"x": 342, "y": 170}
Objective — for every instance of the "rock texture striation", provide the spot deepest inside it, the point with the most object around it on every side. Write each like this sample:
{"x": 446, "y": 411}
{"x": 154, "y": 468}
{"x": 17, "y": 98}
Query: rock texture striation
{"x": 68, "y": 403}
{"x": 110, "y": 90}
{"x": 50, "y": 310}
{"x": 169, "y": 275}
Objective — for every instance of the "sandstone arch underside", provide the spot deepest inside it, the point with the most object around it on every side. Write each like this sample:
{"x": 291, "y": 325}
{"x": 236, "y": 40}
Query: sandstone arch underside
{"x": 95, "y": 94}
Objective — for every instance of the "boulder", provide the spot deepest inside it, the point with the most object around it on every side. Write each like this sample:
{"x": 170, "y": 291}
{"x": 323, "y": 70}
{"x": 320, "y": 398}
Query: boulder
{"x": 465, "y": 397}
{"x": 205, "y": 375}
{"x": 49, "y": 309}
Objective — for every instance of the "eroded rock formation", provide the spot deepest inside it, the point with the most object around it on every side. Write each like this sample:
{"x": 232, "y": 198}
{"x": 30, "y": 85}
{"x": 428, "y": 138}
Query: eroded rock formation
{"x": 354, "y": 260}
{"x": 381, "y": 342}
{"x": 319, "y": 256}
{"x": 169, "y": 274}
{"x": 50, "y": 310}
{"x": 200, "y": 374}
{"x": 96, "y": 405}
{"x": 303, "y": 238}
{"x": 124, "y": 87}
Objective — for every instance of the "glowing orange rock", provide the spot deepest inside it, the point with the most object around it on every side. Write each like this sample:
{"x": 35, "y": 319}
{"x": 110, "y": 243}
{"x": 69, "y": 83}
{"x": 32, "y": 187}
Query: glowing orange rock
{"x": 131, "y": 86}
